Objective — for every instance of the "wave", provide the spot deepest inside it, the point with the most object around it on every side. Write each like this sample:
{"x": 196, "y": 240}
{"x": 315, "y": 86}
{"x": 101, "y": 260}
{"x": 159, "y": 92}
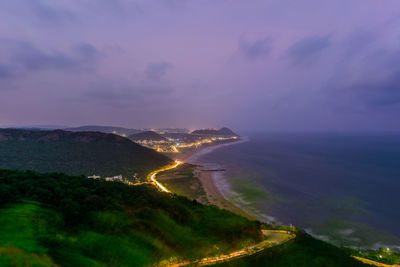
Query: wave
{"x": 224, "y": 187}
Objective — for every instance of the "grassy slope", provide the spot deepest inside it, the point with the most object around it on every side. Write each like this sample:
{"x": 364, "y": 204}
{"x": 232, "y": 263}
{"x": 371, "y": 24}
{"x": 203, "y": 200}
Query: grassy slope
{"x": 75, "y": 221}
{"x": 183, "y": 182}
{"x": 76, "y": 153}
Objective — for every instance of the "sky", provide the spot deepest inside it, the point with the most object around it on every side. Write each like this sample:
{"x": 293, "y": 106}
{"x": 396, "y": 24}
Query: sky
{"x": 250, "y": 65}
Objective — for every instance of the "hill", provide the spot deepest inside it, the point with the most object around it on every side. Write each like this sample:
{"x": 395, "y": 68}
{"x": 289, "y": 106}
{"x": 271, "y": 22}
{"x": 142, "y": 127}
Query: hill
{"x": 103, "y": 129}
{"x": 147, "y": 135}
{"x": 215, "y": 132}
{"x": 76, "y": 153}
{"x": 74, "y": 221}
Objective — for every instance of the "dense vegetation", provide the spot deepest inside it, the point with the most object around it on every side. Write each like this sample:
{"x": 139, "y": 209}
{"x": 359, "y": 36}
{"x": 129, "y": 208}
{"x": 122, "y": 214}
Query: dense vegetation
{"x": 53, "y": 218}
{"x": 76, "y": 153}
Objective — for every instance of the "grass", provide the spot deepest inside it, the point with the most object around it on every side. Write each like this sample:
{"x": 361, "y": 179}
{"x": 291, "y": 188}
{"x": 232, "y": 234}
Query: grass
{"x": 76, "y": 221}
{"x": 29, "y": 237}
{"x": 183, "y": 182}
{"x": 22, "y": 226}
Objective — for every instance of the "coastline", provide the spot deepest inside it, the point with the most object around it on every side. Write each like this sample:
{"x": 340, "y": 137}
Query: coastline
{"x": 208, "y": 176}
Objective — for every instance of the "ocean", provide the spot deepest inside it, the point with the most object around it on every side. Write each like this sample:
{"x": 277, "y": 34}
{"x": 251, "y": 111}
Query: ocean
{"x": 344, "y": 189}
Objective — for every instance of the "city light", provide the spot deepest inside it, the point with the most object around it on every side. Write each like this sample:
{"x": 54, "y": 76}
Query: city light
{"x": 174, "y": 145}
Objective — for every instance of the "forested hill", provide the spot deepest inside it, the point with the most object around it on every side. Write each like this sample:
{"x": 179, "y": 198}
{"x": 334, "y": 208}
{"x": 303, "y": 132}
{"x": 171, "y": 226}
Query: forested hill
{"x": 76, "y": 153}
{"x": 58, "y": 220}
{"x": 215, "y": 132}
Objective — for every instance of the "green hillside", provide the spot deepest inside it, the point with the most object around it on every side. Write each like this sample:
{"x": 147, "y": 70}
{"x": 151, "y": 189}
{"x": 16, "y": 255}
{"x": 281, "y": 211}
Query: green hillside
{"x": 55, "y": 219}
{"x": 76, "y": 153}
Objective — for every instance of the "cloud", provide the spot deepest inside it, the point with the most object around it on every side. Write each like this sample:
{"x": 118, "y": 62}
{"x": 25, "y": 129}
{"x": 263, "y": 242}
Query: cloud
{"x": 255, "y": 49}
{"x": 371, "y": 81}
{"x": 49, "y": 13}
{"x": 87, "y": 52}
{"x": 33, "y": 58}
{"x": 6, "y": 71}
{"x": 25, "y": 57}
{"x": 157, "y": 70}
{"x": 307, "y": 49}
{"x": 358, "y": 41}
{"x": 376, "y": 94}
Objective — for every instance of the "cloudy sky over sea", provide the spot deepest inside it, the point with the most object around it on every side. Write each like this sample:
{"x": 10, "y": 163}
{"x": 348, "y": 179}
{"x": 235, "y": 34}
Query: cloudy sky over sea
{"x": 276, "y": 65}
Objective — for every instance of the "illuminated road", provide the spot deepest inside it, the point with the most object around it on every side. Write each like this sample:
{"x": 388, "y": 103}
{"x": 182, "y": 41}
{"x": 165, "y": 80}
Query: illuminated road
{"x": 371, "y": 262}
{"x": 271, "y": 238}
{"x": 152, "y": 176}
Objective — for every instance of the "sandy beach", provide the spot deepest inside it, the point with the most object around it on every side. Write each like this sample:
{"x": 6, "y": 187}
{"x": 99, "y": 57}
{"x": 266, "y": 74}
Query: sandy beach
{"x": 214, "y": 195}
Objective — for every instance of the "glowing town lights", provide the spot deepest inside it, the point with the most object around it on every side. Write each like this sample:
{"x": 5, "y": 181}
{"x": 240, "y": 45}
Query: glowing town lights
{"x": 172, "y": 145}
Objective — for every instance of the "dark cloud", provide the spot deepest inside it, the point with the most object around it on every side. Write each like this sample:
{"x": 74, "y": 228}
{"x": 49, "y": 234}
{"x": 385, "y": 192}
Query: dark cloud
{"x": 26, "y": 57}
{"x": 33, "y": 58}
{"x": 305, "y": 50}
{"x": 49, "y": 13}
{"x": 6, "y": 71}
{"x": 157, "y": 70}
{"x": 87, "y": 52}
{"x": 386, "y": 93}
{"x": 255, "y": 49}
{"x": 370, "y": 82}
{"x": 374, "y": 94}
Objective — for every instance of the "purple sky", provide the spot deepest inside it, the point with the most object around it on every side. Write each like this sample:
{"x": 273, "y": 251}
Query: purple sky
{"x": 259, "y": 65}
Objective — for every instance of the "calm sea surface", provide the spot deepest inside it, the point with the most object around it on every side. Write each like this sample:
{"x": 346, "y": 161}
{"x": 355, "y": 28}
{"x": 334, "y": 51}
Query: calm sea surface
{"x": 343, "y": 189}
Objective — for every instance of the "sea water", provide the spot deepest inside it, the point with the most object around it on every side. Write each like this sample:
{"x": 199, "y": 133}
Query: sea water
{"x": 344, "y": 189}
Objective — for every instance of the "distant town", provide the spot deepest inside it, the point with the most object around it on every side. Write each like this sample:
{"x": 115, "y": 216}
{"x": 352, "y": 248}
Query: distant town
{"x": 167, "y": 140}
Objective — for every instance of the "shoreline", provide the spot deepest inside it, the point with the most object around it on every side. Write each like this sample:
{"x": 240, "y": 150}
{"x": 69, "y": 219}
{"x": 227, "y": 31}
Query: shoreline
{"x": 207, "y": 177}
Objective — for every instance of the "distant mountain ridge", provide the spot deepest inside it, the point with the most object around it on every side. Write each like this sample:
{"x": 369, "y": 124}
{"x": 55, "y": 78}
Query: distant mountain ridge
{"x": 76, "y": 153}
{"x": 223, "y": 132}
{"x": 147, "y": 135}
{"x": 104, "y": 129}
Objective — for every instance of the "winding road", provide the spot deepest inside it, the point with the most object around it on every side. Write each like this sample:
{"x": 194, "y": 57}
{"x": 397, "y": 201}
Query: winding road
{"x": 151, "y": 177}
{"x": 271, "y": 237}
